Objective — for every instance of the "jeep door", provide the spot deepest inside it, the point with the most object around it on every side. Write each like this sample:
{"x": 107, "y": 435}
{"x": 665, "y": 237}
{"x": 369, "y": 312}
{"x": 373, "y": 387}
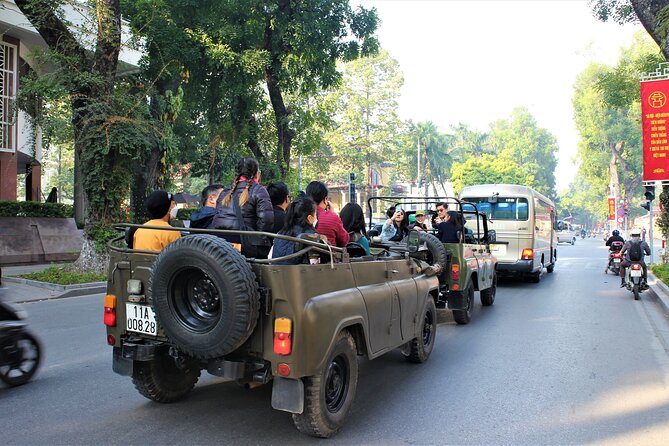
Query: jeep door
{"x": 404, "y": 301}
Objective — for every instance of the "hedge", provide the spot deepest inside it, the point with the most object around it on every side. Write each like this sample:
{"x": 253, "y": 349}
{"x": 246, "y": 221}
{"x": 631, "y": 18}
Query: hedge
{"x": 35, "y": 209}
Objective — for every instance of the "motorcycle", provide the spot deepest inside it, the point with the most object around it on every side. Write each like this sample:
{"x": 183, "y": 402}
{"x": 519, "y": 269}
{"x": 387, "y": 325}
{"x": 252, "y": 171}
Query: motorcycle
{"x": 20, "y": 350}
{"x": 634, "y": 279}
{"x": 615, "y": 258}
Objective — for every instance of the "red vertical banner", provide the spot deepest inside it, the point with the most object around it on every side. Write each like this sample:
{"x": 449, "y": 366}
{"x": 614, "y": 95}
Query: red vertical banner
{"x": 612, "y": 208}
{"x": 654, "y": 122}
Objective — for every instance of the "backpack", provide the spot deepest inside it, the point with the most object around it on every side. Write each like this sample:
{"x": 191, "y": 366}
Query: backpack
{"x": 635, "y": 252}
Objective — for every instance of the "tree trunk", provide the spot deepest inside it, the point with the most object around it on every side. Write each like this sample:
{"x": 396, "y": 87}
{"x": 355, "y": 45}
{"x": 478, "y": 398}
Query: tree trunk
{"x": 285, "y": 134}
{"x": 651, "y": 15}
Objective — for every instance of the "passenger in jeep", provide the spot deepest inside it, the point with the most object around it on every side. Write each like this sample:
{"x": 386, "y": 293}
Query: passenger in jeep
{"x": 449, "y": 229}
{"x": 301, "y": 217}
{"x": 162, "y": 209}
{"x": 329, "y": 223}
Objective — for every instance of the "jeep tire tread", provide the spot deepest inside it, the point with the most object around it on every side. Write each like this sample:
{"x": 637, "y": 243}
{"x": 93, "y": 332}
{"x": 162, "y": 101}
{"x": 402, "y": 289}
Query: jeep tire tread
{"x": 488, "y": 295}
{"x": 462, "y": 317}
{"x": 165, "y": 379}
{"x": 436, "y": 249}
{"x": 421, "y": 347}
{"x": 205, "y": 295}
{"x": 328, "y": 396}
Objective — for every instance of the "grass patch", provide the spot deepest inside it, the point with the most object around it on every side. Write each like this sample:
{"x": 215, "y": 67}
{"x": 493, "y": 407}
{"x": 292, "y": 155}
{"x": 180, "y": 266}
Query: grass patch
{"x": 661, "y": 270}
{"x": 61, "y": 276}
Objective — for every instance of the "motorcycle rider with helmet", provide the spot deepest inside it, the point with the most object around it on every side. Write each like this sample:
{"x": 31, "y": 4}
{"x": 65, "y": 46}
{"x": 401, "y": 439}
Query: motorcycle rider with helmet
{"x": 615, "y": 237}
{"x": 644, "y": 249}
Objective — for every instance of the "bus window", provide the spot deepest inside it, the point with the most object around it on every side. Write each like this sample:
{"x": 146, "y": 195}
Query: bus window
{"x": 503, "y": 209}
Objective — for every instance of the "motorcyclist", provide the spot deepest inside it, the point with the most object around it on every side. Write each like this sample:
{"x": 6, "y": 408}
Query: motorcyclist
{"x": 615, "y": 237}
{"x": 645, "y": 251}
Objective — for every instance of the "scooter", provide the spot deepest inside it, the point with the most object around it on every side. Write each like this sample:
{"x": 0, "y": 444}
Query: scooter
{"x": 615, "y": 258}
{"x": 20, "y": 350}
{"x": 634, "y": 279}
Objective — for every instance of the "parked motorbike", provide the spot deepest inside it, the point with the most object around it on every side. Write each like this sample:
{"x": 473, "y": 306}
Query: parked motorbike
{"x": 634, "y": 279}
{"x": 615, "y": 258}
{"x": 20, "y": 351}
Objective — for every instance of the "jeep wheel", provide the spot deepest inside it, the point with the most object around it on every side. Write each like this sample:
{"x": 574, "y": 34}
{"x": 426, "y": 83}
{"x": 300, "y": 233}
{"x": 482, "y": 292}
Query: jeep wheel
{"x": 462, "y": 317}
{"x": 165, "y": 379}
{"x": 438, "y": 254}
{"x": 488, "y": 295}
{"x": 205, "y": 295}
{"x": 421, "y": 347}
{"x": 329, "y": 395}
{"x": 550, "y": 268}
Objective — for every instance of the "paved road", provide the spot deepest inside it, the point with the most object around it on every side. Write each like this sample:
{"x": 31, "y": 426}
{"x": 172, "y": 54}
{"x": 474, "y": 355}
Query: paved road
{"x": 571, "y": 360}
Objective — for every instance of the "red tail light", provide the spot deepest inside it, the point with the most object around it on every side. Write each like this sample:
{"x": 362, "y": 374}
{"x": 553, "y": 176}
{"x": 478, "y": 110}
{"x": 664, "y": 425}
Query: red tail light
{"x": 455, "y": 272}
{"x": 283, "y": 369}
{"x": 111, "y": 340}
{"x": 110, "y": 310}
{"x": 617, "y": 254}
{"x": 636, "y": 266}
{"x": 283, "y": 341}
{"x": 527, "y": 254}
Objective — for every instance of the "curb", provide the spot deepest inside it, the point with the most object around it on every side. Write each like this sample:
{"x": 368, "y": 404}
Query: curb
{"x": 659, "y": 290}
{"x": 53, "y": 286}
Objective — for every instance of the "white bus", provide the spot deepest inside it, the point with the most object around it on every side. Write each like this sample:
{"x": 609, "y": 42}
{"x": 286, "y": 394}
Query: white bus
{"x": 524, "y": 222}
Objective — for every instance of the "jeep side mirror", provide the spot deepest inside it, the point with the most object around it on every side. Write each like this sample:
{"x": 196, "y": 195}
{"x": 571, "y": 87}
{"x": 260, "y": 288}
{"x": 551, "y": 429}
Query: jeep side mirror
{"x": 492, "y": 236}
{"x": 413, "y": 241}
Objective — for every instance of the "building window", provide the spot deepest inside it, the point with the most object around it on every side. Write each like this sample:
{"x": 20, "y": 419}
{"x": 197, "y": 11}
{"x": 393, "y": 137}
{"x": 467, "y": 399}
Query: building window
{"x": 8, "y": 87}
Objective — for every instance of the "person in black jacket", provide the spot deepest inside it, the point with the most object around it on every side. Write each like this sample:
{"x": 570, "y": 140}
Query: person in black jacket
{"x": 279, "y": 194}
{"x": 246, "y": 198}
{"x": 448, "y": 231}
{"x": 204, "y": 217}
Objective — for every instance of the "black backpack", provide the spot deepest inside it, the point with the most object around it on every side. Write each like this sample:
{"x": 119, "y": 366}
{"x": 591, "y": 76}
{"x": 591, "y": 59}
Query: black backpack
{"x": 635, "y": 251}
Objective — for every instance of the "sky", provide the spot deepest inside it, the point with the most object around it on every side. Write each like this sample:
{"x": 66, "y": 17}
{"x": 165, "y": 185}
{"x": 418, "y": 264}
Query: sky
{"x": 474, "y": 61}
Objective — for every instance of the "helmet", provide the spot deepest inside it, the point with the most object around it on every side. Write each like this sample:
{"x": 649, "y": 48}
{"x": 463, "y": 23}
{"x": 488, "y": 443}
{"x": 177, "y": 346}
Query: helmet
{"x": 615, "y": 232}
{"x": 635, "y": 232}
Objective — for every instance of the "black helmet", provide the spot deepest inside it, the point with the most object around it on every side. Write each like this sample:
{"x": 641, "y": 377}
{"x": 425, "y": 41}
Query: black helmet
{"x": 616, "y": 232}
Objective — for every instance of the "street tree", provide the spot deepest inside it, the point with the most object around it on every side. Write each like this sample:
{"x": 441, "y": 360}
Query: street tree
{"x": 490, "y": 169}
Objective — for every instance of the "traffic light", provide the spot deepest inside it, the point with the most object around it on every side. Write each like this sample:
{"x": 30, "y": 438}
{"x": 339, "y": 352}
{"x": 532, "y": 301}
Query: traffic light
{"x": 646, "y": 205}
{"x": 650, "y": 193}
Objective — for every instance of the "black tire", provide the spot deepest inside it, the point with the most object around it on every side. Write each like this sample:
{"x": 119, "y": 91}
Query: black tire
{"x": 165, "y": 379}
{"x": 463, "y": 317}
{"x": 635, "y": 290}
{"x": 488, "y": 295}
{"x": 550, "y": 268}
{"x": 534, "y": 277}
{"x": 573, "y": 241}
{"x": 421, "y": 347}
{"x": 329, "y": 396}
{"x": 438, "y": 254}
{"x": 20, "y": 357}
{"x": 205, "y": 295}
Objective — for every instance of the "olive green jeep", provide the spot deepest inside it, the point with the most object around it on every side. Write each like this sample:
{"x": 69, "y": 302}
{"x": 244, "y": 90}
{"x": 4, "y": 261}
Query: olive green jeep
{"x": 468, "y": 265}
{"x": 200, "y": 305}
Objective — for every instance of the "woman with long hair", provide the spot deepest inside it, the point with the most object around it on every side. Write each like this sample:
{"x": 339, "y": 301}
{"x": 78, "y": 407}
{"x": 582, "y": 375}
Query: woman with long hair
{"x": 246, "y": 205}
{"x": 301, "y": 217}
{"x": 396, "y": 227}
{"x": 354, "y": 222}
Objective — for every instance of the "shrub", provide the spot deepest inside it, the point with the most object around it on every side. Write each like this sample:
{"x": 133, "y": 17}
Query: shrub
{"x": 661, "y": 270}
{"x": 60, "y": 276}
{"x": 35, "y": 209}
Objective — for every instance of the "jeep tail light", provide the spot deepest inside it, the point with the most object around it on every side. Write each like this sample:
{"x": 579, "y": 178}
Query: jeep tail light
{"x": 527, "y": 254}
{"x": 111, "y": 340}
{"x": 636, "y": 266}
{"x": 455, "y": 272}
{"x": 283, "y": 341}
{"x": 283, "y": 369}
{"x": 110, "y": 310}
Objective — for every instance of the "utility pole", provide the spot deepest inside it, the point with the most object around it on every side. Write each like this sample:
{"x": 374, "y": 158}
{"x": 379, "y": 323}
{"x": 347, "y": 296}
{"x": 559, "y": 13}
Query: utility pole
{"x": 418, "y": 164}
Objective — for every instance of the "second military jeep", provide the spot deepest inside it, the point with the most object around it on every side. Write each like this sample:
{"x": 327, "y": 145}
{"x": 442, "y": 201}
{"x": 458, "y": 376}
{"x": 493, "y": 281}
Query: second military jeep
{"x": 466, "y": 266}
{"x": 200, "y": 305}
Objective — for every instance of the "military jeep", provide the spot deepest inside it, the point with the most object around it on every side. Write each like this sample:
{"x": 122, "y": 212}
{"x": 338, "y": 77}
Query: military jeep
{"x": 468, "y": 265}
{"x": 200, "y": 305}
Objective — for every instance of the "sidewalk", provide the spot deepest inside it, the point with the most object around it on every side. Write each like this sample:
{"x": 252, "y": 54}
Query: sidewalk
{"x": 19, "y": 290}
{"x": 659, "y": 290}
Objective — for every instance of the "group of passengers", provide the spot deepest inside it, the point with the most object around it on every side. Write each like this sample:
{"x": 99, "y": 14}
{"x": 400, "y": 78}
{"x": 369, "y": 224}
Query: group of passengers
{"x": 448, "y": 224}
{"x": 247, "y": 205}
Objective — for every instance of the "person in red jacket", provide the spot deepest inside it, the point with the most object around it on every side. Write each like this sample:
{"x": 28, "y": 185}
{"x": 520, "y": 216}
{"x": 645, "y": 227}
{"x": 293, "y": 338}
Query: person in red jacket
{"x": 329, "y": 224}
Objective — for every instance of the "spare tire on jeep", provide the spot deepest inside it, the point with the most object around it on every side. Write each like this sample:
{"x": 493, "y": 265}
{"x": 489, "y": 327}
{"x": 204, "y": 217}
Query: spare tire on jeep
{"x": 438, "y": 254}
{"x": 205, "y": 295}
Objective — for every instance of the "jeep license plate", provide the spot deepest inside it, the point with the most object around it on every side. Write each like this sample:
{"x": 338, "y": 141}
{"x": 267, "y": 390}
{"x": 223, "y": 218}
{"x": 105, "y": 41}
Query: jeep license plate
{"x": 635, "y": 273}
{"x": 140, "y": 319}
